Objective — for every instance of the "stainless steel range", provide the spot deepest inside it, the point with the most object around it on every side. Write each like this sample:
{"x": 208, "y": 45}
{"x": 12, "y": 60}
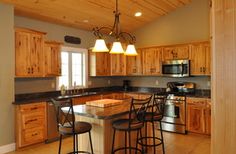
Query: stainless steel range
{"x": 174, "y": 119}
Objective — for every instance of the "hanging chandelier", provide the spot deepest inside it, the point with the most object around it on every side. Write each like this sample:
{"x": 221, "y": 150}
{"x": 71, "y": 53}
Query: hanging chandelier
{"x": 100, "y": 45}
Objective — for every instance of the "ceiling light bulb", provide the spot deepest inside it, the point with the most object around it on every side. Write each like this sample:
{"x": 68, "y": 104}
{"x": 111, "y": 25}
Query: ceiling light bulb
{"x": 100, "y": 46}
{"x": 117, "y": 48}
{"x": 138, "y": 14}
{"x": 131, "y": 51}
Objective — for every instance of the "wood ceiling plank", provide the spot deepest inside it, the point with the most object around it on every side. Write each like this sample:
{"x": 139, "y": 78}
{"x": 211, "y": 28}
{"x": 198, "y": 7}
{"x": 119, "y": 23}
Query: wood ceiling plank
{"x": 97, "y": 12}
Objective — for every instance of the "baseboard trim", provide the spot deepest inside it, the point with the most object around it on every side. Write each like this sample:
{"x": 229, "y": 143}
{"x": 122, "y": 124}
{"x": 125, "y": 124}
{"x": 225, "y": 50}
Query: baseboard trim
{"x": 7, "y": 148}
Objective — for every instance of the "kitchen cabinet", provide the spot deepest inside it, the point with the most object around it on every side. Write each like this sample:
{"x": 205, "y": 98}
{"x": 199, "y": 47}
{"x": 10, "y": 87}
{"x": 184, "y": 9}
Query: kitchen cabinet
{"x": 152, "y": 60}
{"x": 118, "y": 64}
{"x": 31, "y": 125}
{"x": 175, "y": 52}
{"x": 134, "y": 64}
{"x": 198, "y": 115}
{"x": 99, "y": 64}
{"x": 29, "y": 53}
{"x": 200, "y": 58}
{"x": 52, "y": 53}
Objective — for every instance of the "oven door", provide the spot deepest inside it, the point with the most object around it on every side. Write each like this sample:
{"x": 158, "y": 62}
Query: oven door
{"x": 175, "y": 68}
{"x": 174, "y": 112}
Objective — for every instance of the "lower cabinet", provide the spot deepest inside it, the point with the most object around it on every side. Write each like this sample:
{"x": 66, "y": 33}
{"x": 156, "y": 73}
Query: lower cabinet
{"x": 31, "y": 125}
{"x": 199, "y": 115}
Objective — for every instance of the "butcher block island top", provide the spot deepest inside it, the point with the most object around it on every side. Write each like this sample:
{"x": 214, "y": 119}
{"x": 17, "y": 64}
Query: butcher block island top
{"x": 104, "y": 102}
{"x": 109, "y": 108}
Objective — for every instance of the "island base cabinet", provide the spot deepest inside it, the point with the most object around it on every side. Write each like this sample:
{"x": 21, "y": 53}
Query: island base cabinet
{"x": 102, "y": 135}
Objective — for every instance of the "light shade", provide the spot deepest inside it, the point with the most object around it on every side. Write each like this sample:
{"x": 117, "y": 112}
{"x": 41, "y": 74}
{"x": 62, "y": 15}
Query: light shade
{"x": 117, "y": 48}
{"x": 131, "y": 51}
{"x": 100, "y": 46}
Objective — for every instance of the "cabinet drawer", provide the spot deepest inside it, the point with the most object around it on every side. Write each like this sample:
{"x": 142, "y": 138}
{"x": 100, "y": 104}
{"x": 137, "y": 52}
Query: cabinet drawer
{"x": 35, "y": 107}
{"x": 33, "y": 135}
{"x": 33, "y": 120}
{"x": 202, "y": 102}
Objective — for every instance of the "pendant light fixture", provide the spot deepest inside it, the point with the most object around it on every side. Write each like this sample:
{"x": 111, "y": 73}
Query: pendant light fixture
{"x": 100, "y": 45}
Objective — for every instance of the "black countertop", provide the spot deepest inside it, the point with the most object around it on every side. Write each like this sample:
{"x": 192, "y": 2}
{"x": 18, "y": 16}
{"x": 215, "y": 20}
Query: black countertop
{"x": 46, "y": 96}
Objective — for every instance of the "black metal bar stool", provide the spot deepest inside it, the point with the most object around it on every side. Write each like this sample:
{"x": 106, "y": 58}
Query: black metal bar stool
{"x": 67, "y": 125}
{"x": 154, "y": 114}
{"x": 133, "y": 123}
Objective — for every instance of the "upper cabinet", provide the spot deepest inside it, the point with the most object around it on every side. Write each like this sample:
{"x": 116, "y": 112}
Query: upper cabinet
{"x": 29, "y": 53}
{"x": 200, "y": 58}
{"x": 118, "y": 64}
{"x": 175, "y": 52}
{"x": 99, "y": 64}
{"x": 152, "y": 61}
{"x": 134, "y": 64}
{"x": 52, "y": 52}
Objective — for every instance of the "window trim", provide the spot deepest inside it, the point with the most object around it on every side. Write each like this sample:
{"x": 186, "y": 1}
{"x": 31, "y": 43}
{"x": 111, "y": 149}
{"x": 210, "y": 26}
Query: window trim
{"x": 76, "y": 50}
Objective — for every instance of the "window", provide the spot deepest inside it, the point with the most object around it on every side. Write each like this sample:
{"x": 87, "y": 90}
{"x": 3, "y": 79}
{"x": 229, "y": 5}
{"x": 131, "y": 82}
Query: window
{"x": 74, "y": 68}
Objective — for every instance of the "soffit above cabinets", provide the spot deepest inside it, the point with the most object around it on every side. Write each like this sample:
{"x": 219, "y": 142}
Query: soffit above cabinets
{"x": 86, "y": 14}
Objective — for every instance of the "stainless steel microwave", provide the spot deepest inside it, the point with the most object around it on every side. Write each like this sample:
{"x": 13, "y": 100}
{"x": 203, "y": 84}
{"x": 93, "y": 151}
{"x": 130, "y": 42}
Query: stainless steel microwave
{"x": 175, "y": 68}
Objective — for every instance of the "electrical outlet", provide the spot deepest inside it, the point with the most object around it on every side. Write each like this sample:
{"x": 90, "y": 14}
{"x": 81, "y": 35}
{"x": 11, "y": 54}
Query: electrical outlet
{"x": 157, "y": 82}
{"x": 208, "y": 83}
{"x": 89, "y": 83}
{"x": 108, "y": 82}
{"x": 53, "y": 85}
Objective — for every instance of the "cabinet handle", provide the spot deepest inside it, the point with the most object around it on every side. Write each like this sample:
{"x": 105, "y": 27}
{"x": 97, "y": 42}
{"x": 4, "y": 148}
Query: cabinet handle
{"x": 32, "y": 70}
{"x": 28, "y": 70}
{"x": 204, "y": 69}
{"x": 30, "y": 121}
{"x": 33, "y": 108}
{"x": 200, "y": 69}
{"x": 34, "y": 134}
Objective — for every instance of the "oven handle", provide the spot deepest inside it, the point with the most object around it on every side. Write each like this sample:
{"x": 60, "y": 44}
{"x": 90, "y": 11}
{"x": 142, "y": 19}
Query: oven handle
{"x": 182, "y": 69}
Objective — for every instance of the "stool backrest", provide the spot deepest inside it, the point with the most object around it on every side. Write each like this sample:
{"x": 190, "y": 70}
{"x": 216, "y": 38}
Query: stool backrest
{"x": 138, "y": 109}
{"x": 157, "y": 107}
{"x": 64, "y": 113}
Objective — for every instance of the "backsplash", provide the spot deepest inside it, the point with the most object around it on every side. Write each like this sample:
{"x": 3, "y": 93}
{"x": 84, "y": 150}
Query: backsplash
{"x": 31, "y": 85}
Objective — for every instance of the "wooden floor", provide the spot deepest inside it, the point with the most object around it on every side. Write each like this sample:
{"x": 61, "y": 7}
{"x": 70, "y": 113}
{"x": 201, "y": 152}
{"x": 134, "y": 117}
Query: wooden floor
{"x": 174, "y": 144}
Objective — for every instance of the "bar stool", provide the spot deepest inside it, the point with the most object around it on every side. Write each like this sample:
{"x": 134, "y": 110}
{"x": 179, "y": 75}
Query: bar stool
{"x": 133, "y": 123}
{"x": 67, "y": 126}
{"x": 154, "y": 114}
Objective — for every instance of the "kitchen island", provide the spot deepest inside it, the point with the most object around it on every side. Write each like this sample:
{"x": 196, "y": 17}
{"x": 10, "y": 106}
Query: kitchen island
{"x": 102, "y": 132}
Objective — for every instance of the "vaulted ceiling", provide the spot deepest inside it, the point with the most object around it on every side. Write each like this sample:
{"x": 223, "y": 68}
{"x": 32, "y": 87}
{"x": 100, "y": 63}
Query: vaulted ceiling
{"x": 86, "y": 14}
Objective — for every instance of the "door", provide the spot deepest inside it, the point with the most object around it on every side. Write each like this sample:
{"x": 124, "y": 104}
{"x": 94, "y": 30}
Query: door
{"x": 102, "y": 64}
{"x": 175, "y": 52}
{"x": 134, "y": 64}
{"x": 195, "y": 118}
{"x": 207, "y": 49}
{"x": 118, "y": 64}
{"x": 37, "y": 55}
{"x": 152, "y": 61}
{"x": 22, "y": 51}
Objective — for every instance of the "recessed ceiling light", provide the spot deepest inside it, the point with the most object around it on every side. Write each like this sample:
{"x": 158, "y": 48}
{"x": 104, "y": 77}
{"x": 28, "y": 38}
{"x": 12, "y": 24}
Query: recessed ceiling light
{"x": 138, "y": 14}
{"x": 86, "y": 21}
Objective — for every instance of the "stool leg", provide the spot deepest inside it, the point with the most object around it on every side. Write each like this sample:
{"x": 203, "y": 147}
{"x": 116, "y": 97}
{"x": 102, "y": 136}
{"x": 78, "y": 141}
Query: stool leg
{"x": 162, "y": 139}
{"x": 91, "y": 144}
{"x": 59, "y": 150}
{"x": 146, "y": 136}
{"x": 74, "y": 142}
{"x": 140, "y": 131}
{"x": 125, "y": 142}
{"x": 153, "y": 135}
{"x": 113, "y": 141}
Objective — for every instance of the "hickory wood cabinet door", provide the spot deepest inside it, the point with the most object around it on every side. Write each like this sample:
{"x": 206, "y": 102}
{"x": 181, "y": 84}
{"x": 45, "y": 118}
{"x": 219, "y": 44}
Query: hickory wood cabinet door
{"x": 118, "y": 64}
{"x": 200, "y": 58}
{"x": 175, "y": 52}
{"x": 29, "y": 59}
{"x": 198, "y": 116}
{"x": 99, "y": 64}
{"x": 31, "y": 125}
{"x": 52, "y": 52}
{"x": 152, "y": 61}
{"x": 134, "y": 64}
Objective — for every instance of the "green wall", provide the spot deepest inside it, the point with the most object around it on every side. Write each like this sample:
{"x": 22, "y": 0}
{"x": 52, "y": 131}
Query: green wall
{"x": 6, "y": 74}
{"x": 189, "y": 23}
